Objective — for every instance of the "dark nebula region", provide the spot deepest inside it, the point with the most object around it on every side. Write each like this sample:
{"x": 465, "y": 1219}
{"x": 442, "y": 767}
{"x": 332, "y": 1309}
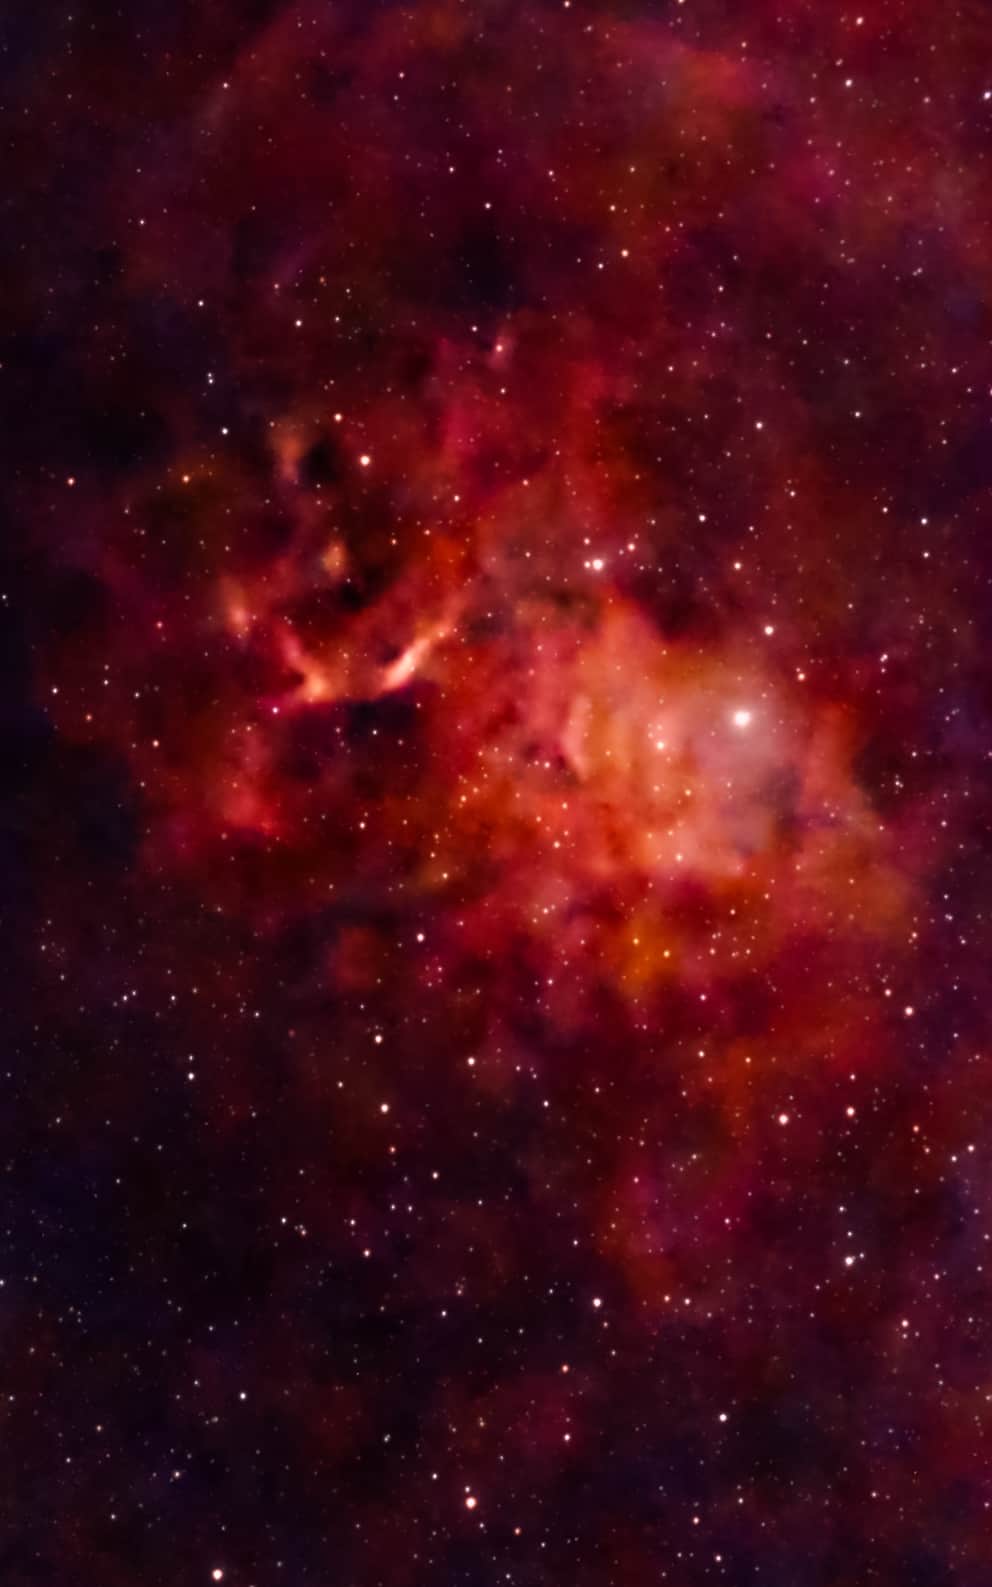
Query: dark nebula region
{"x": 497, "y": 1065}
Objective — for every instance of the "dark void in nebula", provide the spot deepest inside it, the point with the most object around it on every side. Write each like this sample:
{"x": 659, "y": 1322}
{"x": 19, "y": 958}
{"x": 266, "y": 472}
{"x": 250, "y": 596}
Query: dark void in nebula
{"x": 497, "y": 1043}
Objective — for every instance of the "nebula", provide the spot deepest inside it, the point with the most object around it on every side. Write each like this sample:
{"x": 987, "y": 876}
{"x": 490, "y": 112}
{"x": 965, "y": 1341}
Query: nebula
{"x": 497, "y": 794}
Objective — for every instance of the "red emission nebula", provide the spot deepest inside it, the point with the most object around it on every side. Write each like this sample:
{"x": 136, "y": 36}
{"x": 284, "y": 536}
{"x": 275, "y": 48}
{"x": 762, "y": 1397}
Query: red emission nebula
{"x": 496, "y": 817}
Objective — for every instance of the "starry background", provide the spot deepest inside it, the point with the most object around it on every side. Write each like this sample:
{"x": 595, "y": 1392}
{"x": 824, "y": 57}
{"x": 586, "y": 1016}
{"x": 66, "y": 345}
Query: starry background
{"x": 495, "y": 828}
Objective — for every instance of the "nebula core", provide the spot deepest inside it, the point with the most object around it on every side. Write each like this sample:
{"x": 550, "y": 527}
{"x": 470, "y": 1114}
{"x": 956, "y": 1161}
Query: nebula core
{"x": 496, "y": 610}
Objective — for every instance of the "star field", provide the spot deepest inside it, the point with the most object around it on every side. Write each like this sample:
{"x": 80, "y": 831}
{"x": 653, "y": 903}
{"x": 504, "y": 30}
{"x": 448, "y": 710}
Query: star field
{"x": 496, "y": 794}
